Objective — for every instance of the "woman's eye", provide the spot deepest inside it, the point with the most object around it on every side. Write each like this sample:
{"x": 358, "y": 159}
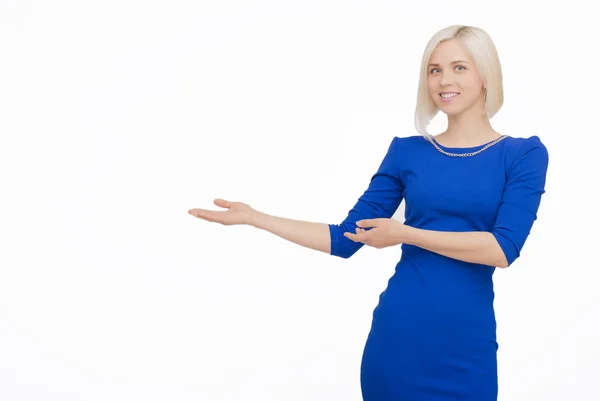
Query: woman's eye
{"x": 434, "y": 69}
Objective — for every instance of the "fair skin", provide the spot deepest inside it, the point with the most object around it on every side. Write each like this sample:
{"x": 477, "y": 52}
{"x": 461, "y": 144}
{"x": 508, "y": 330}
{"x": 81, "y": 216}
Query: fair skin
{"x": 468, "y": 126}
{"x": 452, "y": 69}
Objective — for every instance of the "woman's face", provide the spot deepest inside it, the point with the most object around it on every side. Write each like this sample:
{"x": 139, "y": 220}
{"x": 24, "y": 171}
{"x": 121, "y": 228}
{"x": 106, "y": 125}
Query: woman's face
{"x": 452, "y": 70}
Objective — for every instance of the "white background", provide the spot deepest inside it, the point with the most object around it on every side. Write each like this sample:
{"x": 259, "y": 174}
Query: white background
{"x": 116, "y": 117}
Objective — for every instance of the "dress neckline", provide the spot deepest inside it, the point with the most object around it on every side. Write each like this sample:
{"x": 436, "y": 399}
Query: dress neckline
{"x": 464, "y": 149}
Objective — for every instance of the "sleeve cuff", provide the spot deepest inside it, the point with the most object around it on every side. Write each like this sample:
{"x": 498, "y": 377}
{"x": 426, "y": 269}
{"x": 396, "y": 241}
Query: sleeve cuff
{"x": 333, "y": 233}
{"x": 510, "y": 250}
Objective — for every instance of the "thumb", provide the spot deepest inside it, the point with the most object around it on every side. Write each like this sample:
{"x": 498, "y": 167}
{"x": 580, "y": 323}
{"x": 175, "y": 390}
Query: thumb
{"x": 366, "y": 223}
{"x": 222, "y": 203}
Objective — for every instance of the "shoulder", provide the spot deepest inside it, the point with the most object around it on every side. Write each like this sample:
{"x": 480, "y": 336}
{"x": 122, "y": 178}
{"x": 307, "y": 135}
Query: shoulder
{"x": 409, "y": 142}
{"x": 405, "y": 148}
{"x": 402, "y": 150}
{"x": 529, "y": 151}
{"x": 523, "y": 145}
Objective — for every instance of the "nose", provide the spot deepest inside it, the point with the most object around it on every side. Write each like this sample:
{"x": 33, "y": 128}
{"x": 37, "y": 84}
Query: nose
{"x": 446, "y": 79}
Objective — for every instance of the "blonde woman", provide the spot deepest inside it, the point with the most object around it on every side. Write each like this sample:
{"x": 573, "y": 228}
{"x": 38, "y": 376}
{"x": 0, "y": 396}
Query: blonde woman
{"x": 472, "y": 195}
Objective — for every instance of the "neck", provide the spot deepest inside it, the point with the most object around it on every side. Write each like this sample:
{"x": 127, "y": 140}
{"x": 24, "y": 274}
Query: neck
{"x": 470, "y": 128}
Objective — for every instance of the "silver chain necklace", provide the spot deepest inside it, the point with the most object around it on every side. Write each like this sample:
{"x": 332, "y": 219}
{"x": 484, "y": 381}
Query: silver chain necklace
{"x": 470, "y": 153}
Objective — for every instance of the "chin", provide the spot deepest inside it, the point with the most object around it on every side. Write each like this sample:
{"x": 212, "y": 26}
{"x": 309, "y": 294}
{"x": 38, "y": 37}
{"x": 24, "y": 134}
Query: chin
{"x": 449, "y": 109}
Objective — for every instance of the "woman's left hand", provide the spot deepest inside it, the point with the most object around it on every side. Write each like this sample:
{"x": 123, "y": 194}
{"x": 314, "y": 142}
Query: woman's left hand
{"x": 384, "y": 232}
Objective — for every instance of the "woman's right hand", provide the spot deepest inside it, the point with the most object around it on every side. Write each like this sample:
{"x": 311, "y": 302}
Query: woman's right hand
{"x": 236, "y": 213}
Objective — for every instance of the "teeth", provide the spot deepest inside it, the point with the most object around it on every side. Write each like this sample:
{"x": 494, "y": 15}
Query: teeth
{"x": 447, "y": 95}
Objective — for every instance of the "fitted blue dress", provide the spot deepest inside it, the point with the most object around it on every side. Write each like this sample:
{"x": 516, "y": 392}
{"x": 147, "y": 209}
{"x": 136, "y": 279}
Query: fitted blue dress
{"x": 433, "y": 334}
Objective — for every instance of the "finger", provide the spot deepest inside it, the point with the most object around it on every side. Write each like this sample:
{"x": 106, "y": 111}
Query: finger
{"x": 203, "y": 214}
{"x": 353, "y": 237}
{"x": 360, "y": 230}
{"x": 195, "y": 212}
{"x": 222, "y": 203}
{"x": 366, "y": 223}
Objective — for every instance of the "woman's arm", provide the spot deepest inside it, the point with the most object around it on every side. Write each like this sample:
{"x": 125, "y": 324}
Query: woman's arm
{"x": 305, "y": 233}
{"x": 381, "y": 199}
{"x": 474, "y": 246}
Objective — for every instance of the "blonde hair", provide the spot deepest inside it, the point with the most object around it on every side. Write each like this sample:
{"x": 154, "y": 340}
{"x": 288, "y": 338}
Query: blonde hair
{"x": 484, "y": 53}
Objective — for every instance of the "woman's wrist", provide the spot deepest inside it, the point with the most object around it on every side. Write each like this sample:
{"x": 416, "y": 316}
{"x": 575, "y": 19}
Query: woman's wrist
{"x": 403, "y": 234}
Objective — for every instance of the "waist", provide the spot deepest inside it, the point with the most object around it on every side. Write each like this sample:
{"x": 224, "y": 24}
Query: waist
{"x": 424, "y": 273}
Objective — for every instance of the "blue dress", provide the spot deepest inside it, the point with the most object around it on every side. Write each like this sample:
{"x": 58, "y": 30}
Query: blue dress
{"x": 433, "y": 333}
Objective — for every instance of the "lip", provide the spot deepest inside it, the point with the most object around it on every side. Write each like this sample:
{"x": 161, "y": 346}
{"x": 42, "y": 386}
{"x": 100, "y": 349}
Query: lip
{"x": 449, "y": 99}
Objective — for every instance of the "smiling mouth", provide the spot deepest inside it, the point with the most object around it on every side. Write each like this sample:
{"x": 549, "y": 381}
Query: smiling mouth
{"x": 449, "y": 95}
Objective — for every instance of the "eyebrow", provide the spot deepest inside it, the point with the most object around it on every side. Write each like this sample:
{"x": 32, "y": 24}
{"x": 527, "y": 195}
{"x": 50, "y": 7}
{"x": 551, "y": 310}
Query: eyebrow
{"x": 454, "y": 62}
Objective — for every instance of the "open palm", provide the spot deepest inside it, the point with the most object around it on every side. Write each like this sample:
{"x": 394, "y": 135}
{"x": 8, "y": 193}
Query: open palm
{"x": 236, "y": 213}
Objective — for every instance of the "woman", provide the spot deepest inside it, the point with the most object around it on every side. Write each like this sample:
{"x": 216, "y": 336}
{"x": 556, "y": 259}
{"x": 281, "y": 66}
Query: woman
{"x": 471, "y": 196}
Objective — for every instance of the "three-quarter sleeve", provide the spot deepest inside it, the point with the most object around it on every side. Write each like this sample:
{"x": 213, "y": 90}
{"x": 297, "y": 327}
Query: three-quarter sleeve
{"x": 380, "y": 200}
{"x": 525, "y": 184}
